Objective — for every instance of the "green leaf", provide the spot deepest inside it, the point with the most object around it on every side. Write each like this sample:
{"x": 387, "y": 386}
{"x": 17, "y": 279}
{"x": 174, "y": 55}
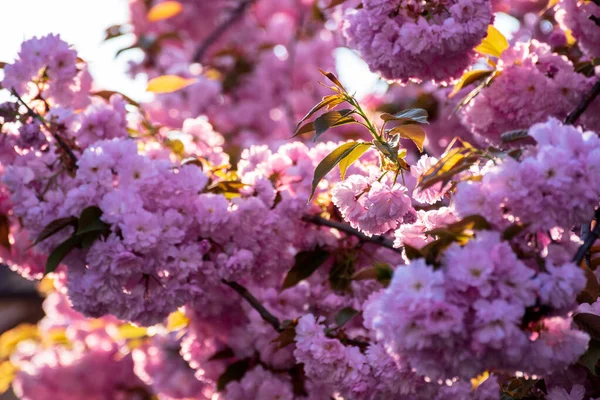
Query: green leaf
{"x": 590, "y": 358}
{"x": 54, "y": 227}
{"x": 329, "y": 162}
{"x": 88, "y": 217}
{"x": 416, "y": 133}
{"x": 326, "y": 101}
{"x": 345, "y": 315}
{"x": 60, "y": 252}
{"x": 234, "y": 372}
{"x": 328, "y": 120}
{"x": 306, "y": 262}
{"x": 354, "y": 155}
{"x": 412, "y": 114}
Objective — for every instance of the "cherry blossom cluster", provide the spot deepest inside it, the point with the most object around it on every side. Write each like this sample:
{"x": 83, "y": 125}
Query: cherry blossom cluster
{"x": 188, "y": 249}
{"x": 420, "y": 41}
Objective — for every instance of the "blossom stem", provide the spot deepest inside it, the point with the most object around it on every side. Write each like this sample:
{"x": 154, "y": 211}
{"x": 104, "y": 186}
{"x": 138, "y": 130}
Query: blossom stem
{"x": 585, "y": 102}
{"x": 56, "y": 137}
{"x": 379, "y": 240}
{"x": 253, "y": 301}
{"x": 237, "y": 13}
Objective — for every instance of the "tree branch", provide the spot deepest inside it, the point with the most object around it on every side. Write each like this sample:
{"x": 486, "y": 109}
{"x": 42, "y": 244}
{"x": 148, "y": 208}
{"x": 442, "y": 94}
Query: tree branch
{"x": 589, "y": 240}
{"x": 585, "y": 102}
{"x": 221, "y": 29}
{"x": 253, "y": 301}
{"x": 59, "y": 140}
{"x": 340, "y": 226}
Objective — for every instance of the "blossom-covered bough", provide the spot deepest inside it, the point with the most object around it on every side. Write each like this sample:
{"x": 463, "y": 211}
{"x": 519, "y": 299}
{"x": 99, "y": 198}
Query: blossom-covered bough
{"x": 201, "y": 246}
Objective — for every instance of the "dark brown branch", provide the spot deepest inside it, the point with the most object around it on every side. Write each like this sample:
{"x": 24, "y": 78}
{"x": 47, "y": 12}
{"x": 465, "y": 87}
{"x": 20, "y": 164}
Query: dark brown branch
{"x": 221, "y": 29}
{"x": 590, "y": 238}
{"x": 59, "y": 140}
{"x": 340, "y": 226}
{"x": 585, "y": 102}
{"x": 253, "y": 301}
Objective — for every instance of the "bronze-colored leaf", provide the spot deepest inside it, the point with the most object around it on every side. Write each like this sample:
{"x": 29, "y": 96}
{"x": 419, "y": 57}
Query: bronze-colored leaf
{"x": 589, "y": 323}
{"x": 326, "y": 101}
{"x": 333, "y": 79}
{"x": 4, "y": 232}
{"x": 416, "y": 133}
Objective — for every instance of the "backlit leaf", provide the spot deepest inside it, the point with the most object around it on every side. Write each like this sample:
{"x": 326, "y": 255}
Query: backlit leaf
{"x": 354, "y": 155}
{"x": 454, "y": 161}
{"x": 493, "y": 44}
{"x": 470, "y": 77}
{"x": 7, "y": 374}
{"x": 333, "y": 79}
{"x": 325, "y": 102}
{"x": 129, "y": 331}
{"x": 416, "y": 133}
{"x": 164, "y": 10}
{"x": 177, "y": 320}
{"x": 169, "y": 84}
{"x": 306, "y": 128}
{"x": 306, "y": 262}
{"x": 329, "y": 162}
{"x": 11, "y": 338}
{"x": 328, "y": 120}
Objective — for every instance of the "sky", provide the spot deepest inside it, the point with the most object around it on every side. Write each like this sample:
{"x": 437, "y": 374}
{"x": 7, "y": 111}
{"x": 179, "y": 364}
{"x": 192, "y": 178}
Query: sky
{"x": 82, "y": 23}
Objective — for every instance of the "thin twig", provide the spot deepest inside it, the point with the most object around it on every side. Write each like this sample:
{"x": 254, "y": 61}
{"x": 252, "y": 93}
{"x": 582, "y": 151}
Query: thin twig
{"x": 221, "y": 29}
{"x": 340, "y": 226}
{"x": 585, "y": 102}
{"x": 56, "y": 137}
{"x": 253, "y": 301}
